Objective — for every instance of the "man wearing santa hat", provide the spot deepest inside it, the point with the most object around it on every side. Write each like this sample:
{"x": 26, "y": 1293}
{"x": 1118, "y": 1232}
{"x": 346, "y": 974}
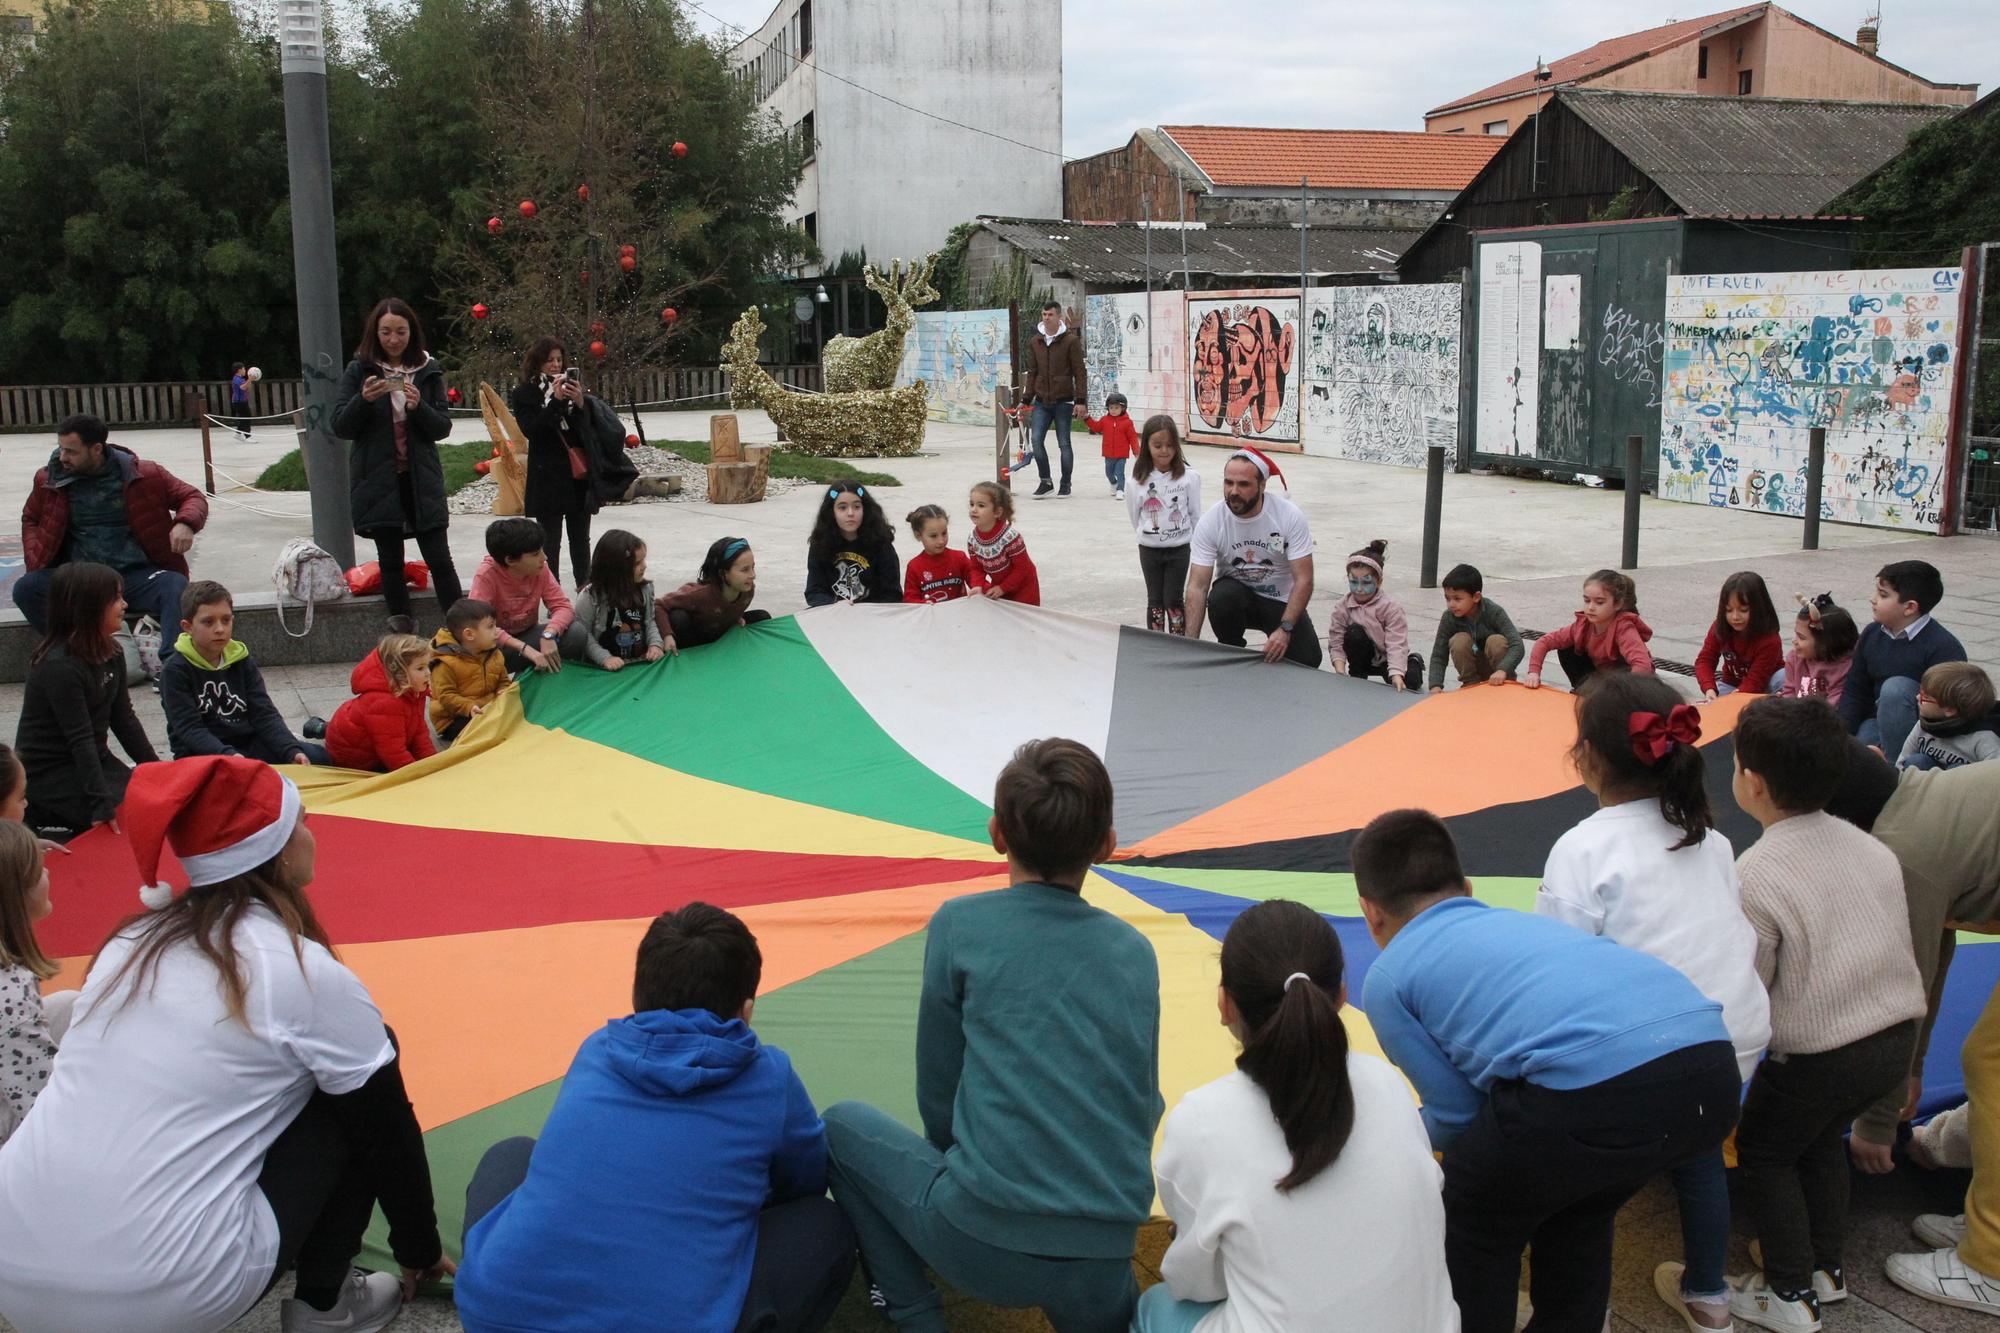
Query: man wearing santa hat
{"x": 1264, "y": 550}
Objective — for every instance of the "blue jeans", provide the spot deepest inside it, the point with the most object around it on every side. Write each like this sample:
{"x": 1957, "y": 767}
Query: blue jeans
{"x": 1057, "y": 414}
{"x": 1895, "y": 715}
{"x": 1701, "y": 1187}
{"x": 1776, "y": 685}
{"x": 148, "y": 591}
{"x": 893, "y": 1186}
{"x": 1114, "y": 472}
{"x": 1159, "y": 1312}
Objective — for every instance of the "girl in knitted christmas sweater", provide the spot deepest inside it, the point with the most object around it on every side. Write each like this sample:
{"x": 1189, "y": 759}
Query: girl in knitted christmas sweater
{"x": 999, "y": 556}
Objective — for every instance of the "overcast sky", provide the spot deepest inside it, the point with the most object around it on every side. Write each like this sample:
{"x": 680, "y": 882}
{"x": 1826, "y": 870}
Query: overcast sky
{"x": 1328, "y": 64}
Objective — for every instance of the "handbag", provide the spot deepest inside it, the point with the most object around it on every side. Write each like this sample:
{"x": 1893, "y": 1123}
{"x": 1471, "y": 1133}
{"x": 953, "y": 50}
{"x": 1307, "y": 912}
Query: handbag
{"x": 579, "y": 466}
{"x": 308, "y": 574}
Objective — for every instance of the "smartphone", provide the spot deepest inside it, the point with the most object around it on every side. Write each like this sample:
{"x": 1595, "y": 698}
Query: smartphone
{"x": 396, "y": 383}
{"x": 571, "y": 375}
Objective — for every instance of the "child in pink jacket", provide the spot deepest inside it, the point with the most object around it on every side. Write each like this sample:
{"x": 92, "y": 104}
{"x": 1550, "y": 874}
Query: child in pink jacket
{"x": 1368, "y": 634}
{"x": 514, "y": 579}
{"x": 1607, "y": 634}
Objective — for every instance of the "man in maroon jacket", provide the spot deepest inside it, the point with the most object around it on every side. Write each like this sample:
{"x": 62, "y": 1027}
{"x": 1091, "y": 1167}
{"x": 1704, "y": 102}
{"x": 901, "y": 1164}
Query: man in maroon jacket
{"x": 100, "y": 501}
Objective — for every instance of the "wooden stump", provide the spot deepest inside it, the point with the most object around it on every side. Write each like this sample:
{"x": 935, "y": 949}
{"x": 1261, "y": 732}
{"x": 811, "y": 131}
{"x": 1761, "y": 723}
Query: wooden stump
{"x": 759, "y": 457}
{"x": 725, "y": 441}
{"x": 734, "y": 484}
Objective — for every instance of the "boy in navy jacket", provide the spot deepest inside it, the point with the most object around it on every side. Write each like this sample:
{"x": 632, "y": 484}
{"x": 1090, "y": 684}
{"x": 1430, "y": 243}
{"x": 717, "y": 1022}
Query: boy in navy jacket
{"x": 214, "y": 695}
{"x": 1879, "y": 701}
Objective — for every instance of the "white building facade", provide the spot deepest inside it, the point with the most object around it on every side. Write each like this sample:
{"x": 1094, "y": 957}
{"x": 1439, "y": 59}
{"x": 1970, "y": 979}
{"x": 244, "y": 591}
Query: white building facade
{"x": 895, "y": 179}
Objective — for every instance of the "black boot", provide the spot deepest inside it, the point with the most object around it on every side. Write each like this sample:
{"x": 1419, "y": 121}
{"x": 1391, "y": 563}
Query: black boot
{"x": 1413, "y": 677}
{"x": 315, "y": 729}
{"x": 402, "y": 624}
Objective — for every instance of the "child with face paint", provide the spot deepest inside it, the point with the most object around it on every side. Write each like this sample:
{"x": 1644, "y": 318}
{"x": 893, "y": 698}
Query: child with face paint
{"x": 1368, "y": 634}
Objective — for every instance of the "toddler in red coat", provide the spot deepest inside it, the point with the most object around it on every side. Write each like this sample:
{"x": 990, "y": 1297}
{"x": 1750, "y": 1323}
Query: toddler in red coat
{"x": 1607, "y": 634}
{"x": 1743, "y": 650}
{"x": 383, "y": 726}
{"x": 1121, "y": 441}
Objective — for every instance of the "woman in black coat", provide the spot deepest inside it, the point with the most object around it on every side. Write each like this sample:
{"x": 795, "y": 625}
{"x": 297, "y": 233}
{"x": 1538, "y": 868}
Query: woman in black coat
{"x": 75, "y": 698}
{"x": 550, "y": 412}
{"x": 391, "y": 404}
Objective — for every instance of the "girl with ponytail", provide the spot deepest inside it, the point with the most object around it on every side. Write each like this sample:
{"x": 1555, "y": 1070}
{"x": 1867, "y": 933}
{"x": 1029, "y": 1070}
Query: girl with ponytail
{"x": 1649, "y": 871}
{"x": 1302, "y": 1187}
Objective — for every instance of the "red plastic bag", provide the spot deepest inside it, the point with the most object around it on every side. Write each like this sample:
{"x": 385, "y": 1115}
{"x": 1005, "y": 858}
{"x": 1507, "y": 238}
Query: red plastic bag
{"x": 366, "y": 578}
{"x": 417, "y": 574}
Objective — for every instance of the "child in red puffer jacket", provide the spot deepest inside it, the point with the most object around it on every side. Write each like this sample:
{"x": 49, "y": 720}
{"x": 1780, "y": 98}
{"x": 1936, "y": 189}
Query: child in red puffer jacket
{"x": 1607, "y": 635}
{"x": 1743, "y": 650}
{"x": 1121, "y": 441}
{"x": 383, "y": 726}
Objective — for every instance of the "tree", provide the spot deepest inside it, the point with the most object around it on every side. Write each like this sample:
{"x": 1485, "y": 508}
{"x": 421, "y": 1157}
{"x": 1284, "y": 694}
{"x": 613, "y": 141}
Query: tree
{"x": 1941, "y": 194}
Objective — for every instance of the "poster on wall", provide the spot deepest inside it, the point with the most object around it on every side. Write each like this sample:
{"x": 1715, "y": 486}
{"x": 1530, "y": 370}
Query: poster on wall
{"x": 1137, "y": 347}
{"x": 1380, "y": 372}
{"x": 1562, "y": 313}
{"x": 1509, "y": 383}
{"x": 962, "y": 356}
{"x": 1243, "y": 380}
{"x": 1753, "y": 361}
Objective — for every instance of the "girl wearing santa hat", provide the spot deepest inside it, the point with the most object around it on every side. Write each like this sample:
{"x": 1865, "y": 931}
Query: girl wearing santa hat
{"x": 228, "y": 1104}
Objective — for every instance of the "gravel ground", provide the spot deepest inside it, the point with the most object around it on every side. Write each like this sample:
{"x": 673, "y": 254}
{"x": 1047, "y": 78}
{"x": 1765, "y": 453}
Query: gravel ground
{"x": 478, "y": 497}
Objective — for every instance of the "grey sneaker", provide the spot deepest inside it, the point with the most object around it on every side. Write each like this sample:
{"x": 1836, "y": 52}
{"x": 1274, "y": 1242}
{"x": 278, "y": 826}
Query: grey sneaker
{"x": 369, "y": 1302}
{"x": 1938, "y": 1231}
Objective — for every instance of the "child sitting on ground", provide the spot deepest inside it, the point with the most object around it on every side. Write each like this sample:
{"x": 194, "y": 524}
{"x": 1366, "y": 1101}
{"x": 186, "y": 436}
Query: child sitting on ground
{"x": 1367, "y": 634}
{"x": 1879, "y": 700}
{"x": 1559, "y": 1072}
{"x": 851, "y": 555}
{"x": 716, "y": 602}
{"x": 1121, "y": 440}
{"x": 382, "y": 727}
{"x": 468, "y": 672}
{"x": 1650, "y": 872}
{"x": 1476, "y": 632}
{"x": 1743, "y": 650}
{"x": 1607, "y": 634}
{"x": 31, "y": 1024}
{"x": 1823, "y": 639}
{"x": 1833, "y": 946}
{"x": 514, "y": 579}
{"x": 1037, "y": 1079}
{"x": 676, "y": 1132}
{"x": 214, "y": 695}
{"x": 1953, "y": 705}
{"x": 1301, "y": 1188}
{"x": 998, "y": 553}
{"x": 937, "y": 573}
{"x": 614, "y": 621}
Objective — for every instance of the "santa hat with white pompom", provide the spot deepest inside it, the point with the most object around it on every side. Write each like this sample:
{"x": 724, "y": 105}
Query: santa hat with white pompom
{"x": 223, "y": 815}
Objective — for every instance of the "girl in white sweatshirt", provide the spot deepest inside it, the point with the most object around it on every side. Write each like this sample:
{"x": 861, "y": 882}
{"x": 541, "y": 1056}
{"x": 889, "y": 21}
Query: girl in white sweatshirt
{"x": 1302, "y": 1188}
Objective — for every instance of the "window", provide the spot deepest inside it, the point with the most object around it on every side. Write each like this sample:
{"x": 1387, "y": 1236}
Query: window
{"x": 807, "y": 142}
{"x": 1494, "y": 127}
{"x": 1701, "y": 62}
{"x": 1743, "y": 83}
{"x": 809, "y": 224}
{"x": 806, "y": 28}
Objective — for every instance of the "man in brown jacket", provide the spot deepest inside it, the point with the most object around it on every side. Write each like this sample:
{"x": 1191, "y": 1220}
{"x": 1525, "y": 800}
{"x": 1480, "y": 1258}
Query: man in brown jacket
{"x": 1053, "y": 384}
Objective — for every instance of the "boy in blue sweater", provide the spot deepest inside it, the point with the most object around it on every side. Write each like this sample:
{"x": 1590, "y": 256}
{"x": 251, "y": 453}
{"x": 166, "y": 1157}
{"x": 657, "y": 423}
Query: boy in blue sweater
{"x": 1558, "y": 1071}
{"x": 1879, "y": 701}
{"x": 1037, "y": 1080}
{"x": 680, "y": 1181}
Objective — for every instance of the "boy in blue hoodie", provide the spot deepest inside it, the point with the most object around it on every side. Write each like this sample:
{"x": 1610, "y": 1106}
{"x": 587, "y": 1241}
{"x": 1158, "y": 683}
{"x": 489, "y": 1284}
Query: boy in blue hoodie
{"x": 1038, "y": 1036}
{"x": 1558, "y": 1073}
{"x": 214, "y": 695}
{"x": 680, "y": 1181}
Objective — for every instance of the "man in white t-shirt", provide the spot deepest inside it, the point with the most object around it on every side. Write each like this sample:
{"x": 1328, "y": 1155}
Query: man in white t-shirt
{"x": 1265, "y": 577}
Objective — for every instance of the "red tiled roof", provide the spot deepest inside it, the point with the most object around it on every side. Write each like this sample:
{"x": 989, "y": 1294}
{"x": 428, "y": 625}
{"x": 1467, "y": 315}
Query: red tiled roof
{"x": 1335, "y": 159}
{"x": 1598, "y": 58}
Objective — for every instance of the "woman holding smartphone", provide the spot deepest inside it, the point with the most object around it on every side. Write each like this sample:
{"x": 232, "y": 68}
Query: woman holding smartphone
{"x": 548, "y": 406}
{"x": 391, "y": 405}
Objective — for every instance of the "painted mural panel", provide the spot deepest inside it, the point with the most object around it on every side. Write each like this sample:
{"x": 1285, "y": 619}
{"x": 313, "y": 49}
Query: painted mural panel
{"x": 961, "y": 356}
{"x": 1243, "y": 367}
{"x": 1118, "y": 331}
{"x": 1753, "y": 361}
{"x": 1380, "y": 372}
{"x": 1510, "y": 322}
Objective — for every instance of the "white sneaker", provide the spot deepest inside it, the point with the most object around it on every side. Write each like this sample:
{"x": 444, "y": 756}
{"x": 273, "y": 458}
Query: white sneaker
{"x": 1829, "y": 1284}
{"x": 1755, "y": 1303}
{"x": 369, "y": 1302}
{"x": 1938, "y": 1231}
{"x": 1943, "y": 1277}
{"x": 1117, "y": 494}
{"x": 1667, "y": 1282}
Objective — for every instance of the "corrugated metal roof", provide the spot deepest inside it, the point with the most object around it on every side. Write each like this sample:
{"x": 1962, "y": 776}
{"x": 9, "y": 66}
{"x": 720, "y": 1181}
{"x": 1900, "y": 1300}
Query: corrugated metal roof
{"x": 1335, "y": 159}
{"x": 1115, "y": 252}
{"x": 1733, "y": 155}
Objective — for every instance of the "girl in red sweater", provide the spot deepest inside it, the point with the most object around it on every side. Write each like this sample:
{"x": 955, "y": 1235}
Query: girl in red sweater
{"x": 1121, "y": 441}
{"x": 999, "y": 556}
{"x": 1607, "y": 634}
{"x": 383, "y": 726}
{"x": 1743, "y": 649}
{"x": 938, "y": 574}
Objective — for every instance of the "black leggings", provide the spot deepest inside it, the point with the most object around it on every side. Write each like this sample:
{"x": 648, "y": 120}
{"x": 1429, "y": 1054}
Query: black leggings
{"x": 687, "y": 636}
{"x": 436, "y": 548}
{"x": 1165, "y": 568}
{"x": 317, "y": 1191}
{"x": 576, "y": 517}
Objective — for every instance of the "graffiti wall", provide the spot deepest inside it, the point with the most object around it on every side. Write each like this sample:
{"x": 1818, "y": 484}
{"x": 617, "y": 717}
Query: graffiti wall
{"x": 1243, "y": 368}
{"x": 1119, "y": 331}
{"x": 1752, "y": 361}
{"x": 1379, "y": 372}
{"x": 961, "y": 356}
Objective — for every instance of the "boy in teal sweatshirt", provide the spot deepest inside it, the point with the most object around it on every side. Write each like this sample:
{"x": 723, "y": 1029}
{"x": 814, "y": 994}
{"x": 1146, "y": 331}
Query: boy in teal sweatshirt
{"x": 1037, "y": 1079}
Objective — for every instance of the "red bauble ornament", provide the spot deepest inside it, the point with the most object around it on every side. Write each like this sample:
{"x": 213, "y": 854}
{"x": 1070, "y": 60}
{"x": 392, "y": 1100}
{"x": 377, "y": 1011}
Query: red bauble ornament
{"x": 479, "y": 311}
{"x": 496, "y": 451}
{"x": 597, "y": 349}
{"x": 627, "y": 262}
{"x": 583, "y": 192}
{"x": 597, "y": 326}
{"x": 583, "y": 278}
{"x": 628, "y": 249}
{"x": 451, "y": 395}
{"x": 680, "y": 149}
{"x": 669, "y": 315}
{"x": 631, "y": 442}
{"x": 483, "y": 466}
{"x": 527, "y": 208}
{"x": 493, "y": 225}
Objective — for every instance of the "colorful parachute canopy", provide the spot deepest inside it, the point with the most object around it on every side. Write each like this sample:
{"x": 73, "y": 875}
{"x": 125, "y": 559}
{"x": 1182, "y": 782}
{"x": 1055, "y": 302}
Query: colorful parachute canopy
{"x": 827, "y": 778}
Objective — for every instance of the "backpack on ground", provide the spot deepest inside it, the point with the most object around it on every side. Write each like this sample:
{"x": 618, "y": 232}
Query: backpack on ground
{"x": 307, "y": 574}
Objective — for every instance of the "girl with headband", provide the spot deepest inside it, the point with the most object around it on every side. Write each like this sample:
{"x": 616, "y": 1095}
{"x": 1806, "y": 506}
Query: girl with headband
{"x": 716, "y": 602}
{"x": 851, "y": 556}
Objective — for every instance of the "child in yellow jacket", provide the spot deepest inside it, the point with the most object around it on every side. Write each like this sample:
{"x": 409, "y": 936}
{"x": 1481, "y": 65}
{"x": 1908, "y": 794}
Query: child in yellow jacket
{"x": 469, "y": 671}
